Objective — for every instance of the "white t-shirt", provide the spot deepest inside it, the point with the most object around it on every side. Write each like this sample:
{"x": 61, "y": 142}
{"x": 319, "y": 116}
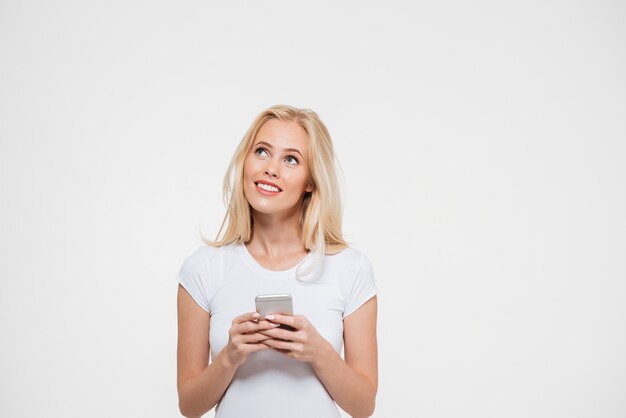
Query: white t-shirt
{"x": 224, "y": 282}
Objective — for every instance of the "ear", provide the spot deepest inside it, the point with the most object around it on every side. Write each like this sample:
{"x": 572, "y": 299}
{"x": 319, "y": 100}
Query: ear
{"x": 309, "y": 188}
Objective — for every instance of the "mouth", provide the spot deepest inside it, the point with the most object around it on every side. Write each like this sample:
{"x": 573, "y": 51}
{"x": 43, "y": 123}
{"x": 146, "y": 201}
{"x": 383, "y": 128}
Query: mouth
{"x": 267, "y": 188}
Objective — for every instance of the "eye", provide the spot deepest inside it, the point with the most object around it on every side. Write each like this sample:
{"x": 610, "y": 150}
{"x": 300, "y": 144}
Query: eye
{"x": 260, "y": 150}
{"x": 291, "y": 159}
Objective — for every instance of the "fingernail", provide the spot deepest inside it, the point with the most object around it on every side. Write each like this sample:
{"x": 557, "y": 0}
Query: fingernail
{"x": 275, "y": 325}
{"x": 270, "y": 317}
{"x": 255, "y": 315}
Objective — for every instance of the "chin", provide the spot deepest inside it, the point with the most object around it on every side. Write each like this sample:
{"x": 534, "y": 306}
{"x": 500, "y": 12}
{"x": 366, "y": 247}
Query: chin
{"x": 266, "y": 209}
{"x": 273, "y": 209}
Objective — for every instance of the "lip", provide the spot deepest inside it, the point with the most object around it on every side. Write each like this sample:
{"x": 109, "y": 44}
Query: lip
{"x": 269, "y": 183}
{"x": 266, "y": 192}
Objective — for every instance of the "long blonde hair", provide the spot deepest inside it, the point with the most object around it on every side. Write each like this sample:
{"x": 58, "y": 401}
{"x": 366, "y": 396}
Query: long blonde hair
{"x": 321, "y": 209}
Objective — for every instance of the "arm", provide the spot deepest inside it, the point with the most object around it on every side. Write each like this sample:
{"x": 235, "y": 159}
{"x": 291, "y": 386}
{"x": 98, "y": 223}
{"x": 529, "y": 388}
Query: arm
{"x": 201, "y": 393}
{"x": 351, "y": 383}
{"x": 200, "y": 387}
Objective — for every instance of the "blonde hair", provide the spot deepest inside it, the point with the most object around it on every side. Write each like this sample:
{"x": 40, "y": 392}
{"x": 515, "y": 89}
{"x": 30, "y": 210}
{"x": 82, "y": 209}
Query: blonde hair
{"x": 321, "y": 209}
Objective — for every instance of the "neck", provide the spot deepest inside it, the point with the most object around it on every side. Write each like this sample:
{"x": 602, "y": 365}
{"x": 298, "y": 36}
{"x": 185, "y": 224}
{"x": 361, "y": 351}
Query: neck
{"x": 274, "y": 234}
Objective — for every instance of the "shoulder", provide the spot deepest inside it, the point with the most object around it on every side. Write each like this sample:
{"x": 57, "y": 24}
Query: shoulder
{"x": 351, "y": 273}
{"x": 201, "y": 274}
{"x": 349, "y": 257}
{"x": 347, "y": 267}
{"x": 201, "y": 255}
{"x": 206, "y": 259}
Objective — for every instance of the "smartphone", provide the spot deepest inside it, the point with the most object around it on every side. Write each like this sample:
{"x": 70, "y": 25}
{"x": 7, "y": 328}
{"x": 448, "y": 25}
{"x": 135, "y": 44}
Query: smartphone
{"x": 276, "y": 303}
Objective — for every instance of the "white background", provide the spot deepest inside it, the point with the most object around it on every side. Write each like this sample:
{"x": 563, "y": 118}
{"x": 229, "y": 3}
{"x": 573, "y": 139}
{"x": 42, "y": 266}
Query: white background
{"x": 483, "y": 149}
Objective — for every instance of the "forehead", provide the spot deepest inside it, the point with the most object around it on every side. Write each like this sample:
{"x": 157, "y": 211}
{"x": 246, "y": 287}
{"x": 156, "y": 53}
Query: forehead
{"x": 283, "y": 134}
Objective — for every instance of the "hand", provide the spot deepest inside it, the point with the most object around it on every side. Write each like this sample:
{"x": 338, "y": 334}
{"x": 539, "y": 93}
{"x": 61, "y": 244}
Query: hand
{"x": 304, "y": 343}
{"x": 243, "y": 337}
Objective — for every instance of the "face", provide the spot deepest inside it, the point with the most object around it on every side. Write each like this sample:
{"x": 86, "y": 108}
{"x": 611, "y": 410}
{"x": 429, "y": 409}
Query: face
{"x": 276, "y": 172}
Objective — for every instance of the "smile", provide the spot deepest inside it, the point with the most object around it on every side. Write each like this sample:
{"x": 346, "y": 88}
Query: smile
{"x": 267, "y": 188}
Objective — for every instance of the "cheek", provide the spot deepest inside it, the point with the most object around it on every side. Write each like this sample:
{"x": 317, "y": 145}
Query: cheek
{"x": 301, "y": 179}
{"x": 248, "y": 168}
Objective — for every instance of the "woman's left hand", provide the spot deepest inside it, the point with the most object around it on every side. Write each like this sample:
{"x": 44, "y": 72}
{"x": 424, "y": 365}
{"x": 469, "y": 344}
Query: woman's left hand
{"x": 304, "y": 343}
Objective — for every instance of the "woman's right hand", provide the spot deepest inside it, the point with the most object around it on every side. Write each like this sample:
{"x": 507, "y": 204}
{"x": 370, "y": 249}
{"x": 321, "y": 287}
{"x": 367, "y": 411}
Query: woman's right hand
{"x": 243, "y": 338}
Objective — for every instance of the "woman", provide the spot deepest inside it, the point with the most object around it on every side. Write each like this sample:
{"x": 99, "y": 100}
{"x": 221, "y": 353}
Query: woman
{"x": 284, "y": 214}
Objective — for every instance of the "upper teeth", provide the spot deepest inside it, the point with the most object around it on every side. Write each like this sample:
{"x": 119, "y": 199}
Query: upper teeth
{"x": 268, "y": 187}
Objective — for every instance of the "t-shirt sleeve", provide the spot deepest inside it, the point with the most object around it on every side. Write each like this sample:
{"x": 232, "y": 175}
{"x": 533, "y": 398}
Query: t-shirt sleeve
{"x": 363, "y": 288}
{"x": 192, "y": 276}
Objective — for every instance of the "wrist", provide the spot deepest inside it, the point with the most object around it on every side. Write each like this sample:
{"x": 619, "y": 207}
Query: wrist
{"x": 226, "y": 361}
{"x": 326, "y": 353}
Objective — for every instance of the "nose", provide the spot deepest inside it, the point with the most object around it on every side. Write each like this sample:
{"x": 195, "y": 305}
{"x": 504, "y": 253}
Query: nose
{"x": 271, "y": 171}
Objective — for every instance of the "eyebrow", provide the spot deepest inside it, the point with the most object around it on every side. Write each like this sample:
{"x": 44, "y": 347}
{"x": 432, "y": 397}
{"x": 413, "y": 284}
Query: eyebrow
{"x": 286, "y": 149}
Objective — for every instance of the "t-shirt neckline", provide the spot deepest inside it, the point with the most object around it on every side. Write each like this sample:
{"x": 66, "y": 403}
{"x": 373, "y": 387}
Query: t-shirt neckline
{"x": 271, "y": 274}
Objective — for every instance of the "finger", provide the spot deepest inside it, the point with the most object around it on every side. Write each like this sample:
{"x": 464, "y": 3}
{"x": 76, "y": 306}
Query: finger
{"x": 248, "y": 316}
{"x": 257, "y": 347}
{"x": 282, "y": 334}
{"x": 244, "y": 328}
{"x": 292, "y": 321}
{"x": 250, "y": 327}
{"x": 280, "y": 344}
{"x": 285, "y": 352}
{"x": 268, "y": 345}
{"x": 254, "y": 338}
{"x": 263, "y": 324}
